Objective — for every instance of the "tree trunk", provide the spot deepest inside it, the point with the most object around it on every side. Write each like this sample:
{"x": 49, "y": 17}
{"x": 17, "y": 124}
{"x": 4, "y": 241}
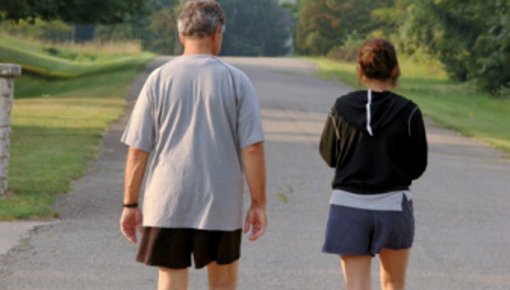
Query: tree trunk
{"x": 7, "y": 74}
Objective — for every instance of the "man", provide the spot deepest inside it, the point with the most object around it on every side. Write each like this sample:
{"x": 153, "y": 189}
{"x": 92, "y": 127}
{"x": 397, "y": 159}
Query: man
{"x": 200, "y": 120}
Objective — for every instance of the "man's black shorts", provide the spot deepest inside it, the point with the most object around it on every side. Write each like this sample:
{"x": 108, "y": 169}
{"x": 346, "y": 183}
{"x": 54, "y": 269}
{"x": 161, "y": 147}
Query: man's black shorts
{"x": 173, "y": 248}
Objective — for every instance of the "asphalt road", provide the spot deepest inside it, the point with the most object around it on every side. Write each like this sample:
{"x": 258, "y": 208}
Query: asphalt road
{"x": 462, "y": 207}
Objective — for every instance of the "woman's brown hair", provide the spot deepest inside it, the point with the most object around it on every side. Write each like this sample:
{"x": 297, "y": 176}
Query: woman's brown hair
{"x": 377, "y": 59}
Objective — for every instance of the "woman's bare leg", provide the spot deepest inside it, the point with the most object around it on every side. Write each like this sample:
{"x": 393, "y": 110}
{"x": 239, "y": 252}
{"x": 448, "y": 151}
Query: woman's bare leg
{"x": 393, "y": 268}
{"x": 356, "y": 271}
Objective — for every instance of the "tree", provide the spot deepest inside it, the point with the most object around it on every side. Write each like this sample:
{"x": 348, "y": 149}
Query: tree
{"x": 447, "y": 28}
{"x": 324, "y": 24}
{"x": 157, "y": 29}
{"x": 470, "y": 37}
{"x": 256, "y": 28}
{"x": 164, "y": 31}
{"x": 493, "y": 52}
{"x": 72, "y": 11}
{"x": 317, "y": 28}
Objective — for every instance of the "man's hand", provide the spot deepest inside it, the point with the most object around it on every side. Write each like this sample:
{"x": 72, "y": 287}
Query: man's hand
{"x": 255, "y": 173}
{"x": 131, "y": 218}
{"x": 130, "y": 222}
{"x": 256, "y": 219}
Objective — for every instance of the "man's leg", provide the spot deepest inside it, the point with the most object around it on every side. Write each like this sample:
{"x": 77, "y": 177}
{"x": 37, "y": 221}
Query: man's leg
{"x": 222, "y": 277}
{"x": 356, "y": 271}
{"x": 173, "y": 279}
{"x": 393, "y": 268}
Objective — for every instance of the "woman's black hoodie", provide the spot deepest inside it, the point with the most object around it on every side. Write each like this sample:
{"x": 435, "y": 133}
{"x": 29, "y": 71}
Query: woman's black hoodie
{"x": 383, "y": 155}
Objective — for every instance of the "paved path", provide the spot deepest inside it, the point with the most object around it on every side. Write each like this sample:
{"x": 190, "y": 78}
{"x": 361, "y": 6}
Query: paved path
{"x": 462, "y": 209}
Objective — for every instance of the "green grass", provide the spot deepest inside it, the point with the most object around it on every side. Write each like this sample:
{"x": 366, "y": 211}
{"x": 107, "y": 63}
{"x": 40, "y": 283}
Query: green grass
{"x": 57, "y": 126}
{"x": 52, "y": 61}
{"x": 457, "y": 106}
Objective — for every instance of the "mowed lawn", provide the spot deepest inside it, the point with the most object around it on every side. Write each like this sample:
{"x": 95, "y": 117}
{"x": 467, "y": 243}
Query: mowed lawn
{"x": 57, "y": 126}
{"x": 458, "y": 106}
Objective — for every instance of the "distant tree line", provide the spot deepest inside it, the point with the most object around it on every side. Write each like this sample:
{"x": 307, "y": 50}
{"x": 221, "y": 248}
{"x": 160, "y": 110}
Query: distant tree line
{"x": 155, "y": 27}
{"x": 72, "y": 11}
{"x": 257, "y": 28}
{"x": 254, "y": 27}
{"x": 470, "y": 37}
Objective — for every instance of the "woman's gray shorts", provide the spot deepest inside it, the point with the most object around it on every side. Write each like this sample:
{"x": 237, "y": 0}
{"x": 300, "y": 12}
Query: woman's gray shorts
{"x": 352, "y": 231}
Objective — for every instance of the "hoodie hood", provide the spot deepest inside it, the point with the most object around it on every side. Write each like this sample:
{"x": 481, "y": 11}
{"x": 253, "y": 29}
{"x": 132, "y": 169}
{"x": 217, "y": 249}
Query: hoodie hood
{"x": 370, "y": 111}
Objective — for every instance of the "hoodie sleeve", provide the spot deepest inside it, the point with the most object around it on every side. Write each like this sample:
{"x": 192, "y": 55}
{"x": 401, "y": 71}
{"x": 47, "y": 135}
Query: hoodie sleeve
{"x": 329, "y": 144}
{"x": 419, "y": 143}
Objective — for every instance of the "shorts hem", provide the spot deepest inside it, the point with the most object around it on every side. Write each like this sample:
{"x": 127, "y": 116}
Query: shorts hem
{"x": 180, "y": 267}
{"x": 398, "y": 248}
{"x": 347, "y": 253}
{"x": 354, "y": 253}
{"x": 162, "y": 265}
{"x": 222, "y": 263}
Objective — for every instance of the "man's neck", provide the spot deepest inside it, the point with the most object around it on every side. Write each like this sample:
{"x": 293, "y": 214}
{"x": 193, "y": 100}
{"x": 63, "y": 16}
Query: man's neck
{"x": 198, "y": 46}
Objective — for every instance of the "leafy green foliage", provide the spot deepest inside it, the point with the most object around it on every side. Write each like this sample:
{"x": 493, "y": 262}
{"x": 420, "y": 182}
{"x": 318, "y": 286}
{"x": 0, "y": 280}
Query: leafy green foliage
{"x": 72, "y": 11}
{"x": 50, "y": 31}
{"x": 492, "y": 51}
{"x": 324, "y": 24}
{"x": 446, "y": 27}
{"x": 157, "y": 30}
{"x": 470, "y": 37}
{"x": 256, "y": 28}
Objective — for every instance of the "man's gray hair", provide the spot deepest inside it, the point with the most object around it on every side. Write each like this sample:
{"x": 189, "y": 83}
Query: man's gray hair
{"x": 200, "y": 18}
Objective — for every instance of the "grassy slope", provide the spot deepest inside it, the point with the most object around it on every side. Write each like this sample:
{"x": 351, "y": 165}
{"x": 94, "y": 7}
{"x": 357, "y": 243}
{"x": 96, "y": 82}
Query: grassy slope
{"x": 57, "y": 127}
{"x": 37, "y": 59}
{"x": 456, "y": 106}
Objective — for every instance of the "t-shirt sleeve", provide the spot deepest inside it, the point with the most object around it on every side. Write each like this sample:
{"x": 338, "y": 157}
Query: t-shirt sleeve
{"x": 249, "y": 127}
{"x": 140, "y": 131}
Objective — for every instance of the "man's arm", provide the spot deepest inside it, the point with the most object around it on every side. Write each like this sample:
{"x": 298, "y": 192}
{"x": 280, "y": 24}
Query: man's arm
{"x": 131, "y": 218}
{"x": 255, "y": 173}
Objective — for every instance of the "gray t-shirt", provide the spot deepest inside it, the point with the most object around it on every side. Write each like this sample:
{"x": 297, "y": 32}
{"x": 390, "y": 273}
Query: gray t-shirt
{"x": 194, "y": 115}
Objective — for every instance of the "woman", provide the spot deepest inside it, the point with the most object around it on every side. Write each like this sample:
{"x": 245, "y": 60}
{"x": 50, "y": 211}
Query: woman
{"x": 375, "y": 140}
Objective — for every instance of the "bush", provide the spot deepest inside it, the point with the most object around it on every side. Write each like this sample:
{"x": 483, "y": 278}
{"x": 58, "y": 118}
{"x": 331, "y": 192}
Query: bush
{"x": 471, "y": 38}
{"x": 256, "y": 28}
{"x": 47, "y": 31}
{"x": 326, "y": 25}
{"x": 349, "y": 50}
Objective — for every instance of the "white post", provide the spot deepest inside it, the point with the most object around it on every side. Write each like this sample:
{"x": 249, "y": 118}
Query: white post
{"x": 7, "y": 74}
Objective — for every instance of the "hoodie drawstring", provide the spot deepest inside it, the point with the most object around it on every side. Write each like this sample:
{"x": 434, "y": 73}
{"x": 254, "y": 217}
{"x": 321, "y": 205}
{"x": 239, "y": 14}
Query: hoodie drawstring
{"x": 369, "y": 113}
